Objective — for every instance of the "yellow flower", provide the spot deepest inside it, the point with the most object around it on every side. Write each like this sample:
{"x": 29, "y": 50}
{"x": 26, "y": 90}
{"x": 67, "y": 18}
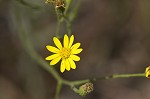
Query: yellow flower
{"x": 66, "y": 53}
{"x": 147, "y": 72}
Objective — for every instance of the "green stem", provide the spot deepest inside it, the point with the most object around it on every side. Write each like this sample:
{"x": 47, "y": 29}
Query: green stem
{"x": 75, "y": 89}
{"x": 68, "y": 27}
{"x": 67, "y": 6}
{"x": 68, "y": 24}
{"x": 58, "y": 22}
{"x": 125, "y": 75}
{"x": 114, "y": 76}
{"x": 58, "y": 89}
{"x": 74, "y": 83}
{"x": 58, "y": 28}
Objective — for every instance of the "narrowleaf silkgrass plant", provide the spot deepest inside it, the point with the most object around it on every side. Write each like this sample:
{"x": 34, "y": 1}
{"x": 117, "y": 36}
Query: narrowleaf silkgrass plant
{"x": 66, "y": 52}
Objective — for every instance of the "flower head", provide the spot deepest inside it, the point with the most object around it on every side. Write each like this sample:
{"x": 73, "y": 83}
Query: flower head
{"x": 66, "y": 53}
{"x": 147, "y": 72}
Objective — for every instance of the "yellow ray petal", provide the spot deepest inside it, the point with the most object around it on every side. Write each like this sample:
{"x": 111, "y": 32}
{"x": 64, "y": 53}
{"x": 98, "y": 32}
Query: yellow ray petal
{"x": 51, "y": 57}
{"x": 52, "y": 49}
{"x": 67, "y": 64}
{"x": 75, "y": 57}
{"x": 148, "y": 74}
{"x": 77, "y": 51}
{"x": 62, "y": 66}
{"x": 57, "y": 42}
{"x": 55, "y": 61}
{"x": 71, "y": 41}
{"x": 72, "y": 63}
{"x": 75, "y": 46}
{"x": 147, "y": 69}
{"x": 66, "y": 41}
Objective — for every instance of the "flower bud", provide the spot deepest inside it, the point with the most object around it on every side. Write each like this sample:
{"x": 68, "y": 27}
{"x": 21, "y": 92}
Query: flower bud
{"x": 59, "y": 5}
{"x": 147, "y": 72}
{"x": 85, "y": 89}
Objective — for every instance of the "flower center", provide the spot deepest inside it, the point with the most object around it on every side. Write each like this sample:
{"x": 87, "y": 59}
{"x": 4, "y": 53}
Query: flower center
{"x": 65, "y": 53}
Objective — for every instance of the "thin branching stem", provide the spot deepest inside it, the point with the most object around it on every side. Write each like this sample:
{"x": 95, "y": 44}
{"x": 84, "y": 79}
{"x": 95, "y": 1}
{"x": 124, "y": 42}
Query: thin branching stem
{"x": 68, "y": 25}
{"x": 58, "y": 89}
{"x": 114, "y": 76}
{"x": 27, "y": 44}
{"x": 58, "y": 23}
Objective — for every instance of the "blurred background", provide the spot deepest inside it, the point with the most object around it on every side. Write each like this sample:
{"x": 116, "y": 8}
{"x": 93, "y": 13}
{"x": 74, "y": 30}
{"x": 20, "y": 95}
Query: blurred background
{"x": 115, "y": 36}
